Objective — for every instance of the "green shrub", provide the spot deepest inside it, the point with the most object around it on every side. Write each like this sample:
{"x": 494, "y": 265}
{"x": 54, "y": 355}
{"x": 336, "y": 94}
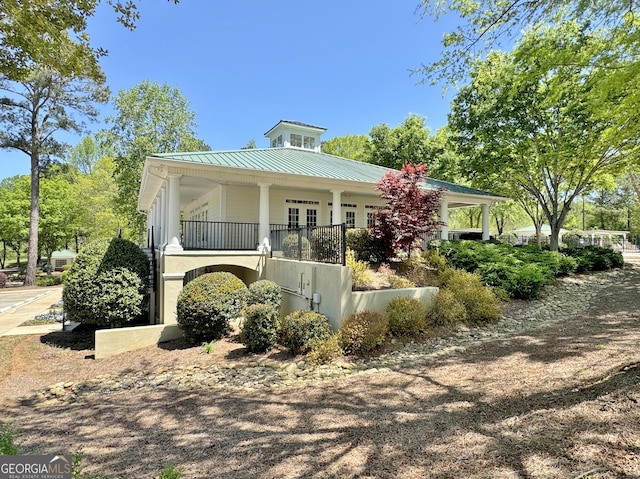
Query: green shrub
{"x": 260, "y": 327}
{"x": 527, "y": 282}
{"x": 595, "y": 258}
{"x": 480, "y": 302}
{"x": 207, "y": 304}
{"x": 434, "y": 259}
{"x": 447, "y": 311}
{"x": 118, "y": 295}
{"x": 65, "y": 267}
{"x": 296, "y": 246}
{"x": 365, "y": 246}
{"x": 3, "y": 280}
{"x": 265, "y": 292}
{"x": 362, "y": 332}
{"x": 48, "y": 280}
{"x": 406, "y": 316}
{"x": 301, "y": 329}
{"x": 323, "y": 351}
{"x": 567, "y": 265}
{"x": 106, "y": 267}
{"x": 361, "y": 275}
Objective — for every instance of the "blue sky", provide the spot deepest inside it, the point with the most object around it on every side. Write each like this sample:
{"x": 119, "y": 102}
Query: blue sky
{"x": 244, "y": 65}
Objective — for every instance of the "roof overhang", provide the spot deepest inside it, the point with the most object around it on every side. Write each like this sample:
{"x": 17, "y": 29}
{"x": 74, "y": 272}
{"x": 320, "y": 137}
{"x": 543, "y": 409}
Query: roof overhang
{"x": 197, "y": 178}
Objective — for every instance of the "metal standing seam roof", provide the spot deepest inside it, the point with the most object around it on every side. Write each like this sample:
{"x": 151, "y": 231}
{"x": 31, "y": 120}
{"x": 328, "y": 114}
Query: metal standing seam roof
{"x": 306, "y": 163}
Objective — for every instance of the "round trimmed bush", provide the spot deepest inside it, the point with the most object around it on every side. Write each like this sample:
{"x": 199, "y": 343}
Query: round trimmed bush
{"x": 362, "y": 332}
{"x": 106, "y": 284}
{"x": 300, "y": 329}
{"x": 260, "y": 327}
{"x": 265, "y": 292}
{"x": 406, "y": 316}
{"x": 207, "y": 304}
{"x": 118, "y": 295}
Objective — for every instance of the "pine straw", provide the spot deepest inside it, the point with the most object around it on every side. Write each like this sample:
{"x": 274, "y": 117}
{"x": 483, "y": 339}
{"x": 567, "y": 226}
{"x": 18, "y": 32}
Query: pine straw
{"x": 558, "y": 402}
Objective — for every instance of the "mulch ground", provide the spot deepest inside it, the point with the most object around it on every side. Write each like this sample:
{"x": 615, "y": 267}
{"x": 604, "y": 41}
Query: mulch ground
{"x": 557, "y": 402}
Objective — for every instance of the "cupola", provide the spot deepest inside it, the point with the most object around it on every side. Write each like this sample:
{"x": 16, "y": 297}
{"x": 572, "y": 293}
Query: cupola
{"x": 294, "y": 134}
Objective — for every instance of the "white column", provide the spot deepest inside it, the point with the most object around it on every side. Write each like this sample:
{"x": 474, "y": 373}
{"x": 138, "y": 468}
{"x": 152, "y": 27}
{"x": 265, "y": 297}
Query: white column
{"x": 485, "y": 222}
{"x": 150, "y": 215}
{"x": 337, "y": 207}
{"x": 163, "y": 215}
{"x": 263, "y": 229}
{"x": 444, "y": 220}
{"x": 173, "y": 215}
{"x": 156, "y": 222}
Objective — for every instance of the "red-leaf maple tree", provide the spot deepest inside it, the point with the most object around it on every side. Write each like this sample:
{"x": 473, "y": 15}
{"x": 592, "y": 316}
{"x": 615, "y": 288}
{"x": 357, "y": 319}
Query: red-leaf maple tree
{"x": 411, "y": 210}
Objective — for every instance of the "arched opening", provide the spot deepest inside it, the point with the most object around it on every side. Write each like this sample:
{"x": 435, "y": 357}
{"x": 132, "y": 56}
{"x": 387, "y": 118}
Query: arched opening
{"x": 247, "y": 275}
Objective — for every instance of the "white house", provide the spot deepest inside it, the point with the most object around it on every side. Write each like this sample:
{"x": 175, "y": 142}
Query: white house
{"x": 222, "y": 210}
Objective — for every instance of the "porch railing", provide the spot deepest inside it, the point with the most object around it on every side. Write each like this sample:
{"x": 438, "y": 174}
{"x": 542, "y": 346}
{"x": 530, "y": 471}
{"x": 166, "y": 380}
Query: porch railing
{"x": 219, "y": 235}
{"x": 325, "y": 244}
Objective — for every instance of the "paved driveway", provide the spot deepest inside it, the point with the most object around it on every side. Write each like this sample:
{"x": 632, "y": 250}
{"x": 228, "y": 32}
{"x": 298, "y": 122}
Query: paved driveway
{"x": 9, "y": 298}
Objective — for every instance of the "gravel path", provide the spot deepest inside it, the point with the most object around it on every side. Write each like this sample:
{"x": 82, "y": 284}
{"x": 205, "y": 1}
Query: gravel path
{"x": 551, "y": 392}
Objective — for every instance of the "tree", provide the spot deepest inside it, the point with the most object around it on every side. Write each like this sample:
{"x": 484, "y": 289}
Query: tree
{"x": 59, "y": 213}
{"x": 251, "y": 145}
{"x": 51, "y": 34}
{"x": 354, "y": 147}
{"x": 150, "y": 118}
{"x": 411, "y": 209}
{"x": 31, "y": 113}
{"x": 407, "y": 143}
{"x": 84, "y": 156}
{"x": 491, "y": 24}
{"x": 98, "y": 216}
{"x": 14, "y": 215}
{"x": 537, "y": 126}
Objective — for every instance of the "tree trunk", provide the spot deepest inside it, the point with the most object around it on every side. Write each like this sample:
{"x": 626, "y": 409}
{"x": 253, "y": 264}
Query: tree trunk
{"x": 538, "y": 234}
{"x": 34, "y": 220}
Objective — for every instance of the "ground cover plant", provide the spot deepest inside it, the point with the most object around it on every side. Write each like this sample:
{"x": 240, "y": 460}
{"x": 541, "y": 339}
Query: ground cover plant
{"x": 522, "y": 271}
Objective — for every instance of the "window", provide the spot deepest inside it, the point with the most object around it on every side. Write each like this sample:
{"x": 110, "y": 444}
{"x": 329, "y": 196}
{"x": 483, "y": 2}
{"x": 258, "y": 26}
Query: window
{"x": 296, "y": 140}
{"x": 351, "y": 219}
{"x": 312, "y": 217}
{"x": 294, "y": 218}
{"x": 309, "y": 142}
